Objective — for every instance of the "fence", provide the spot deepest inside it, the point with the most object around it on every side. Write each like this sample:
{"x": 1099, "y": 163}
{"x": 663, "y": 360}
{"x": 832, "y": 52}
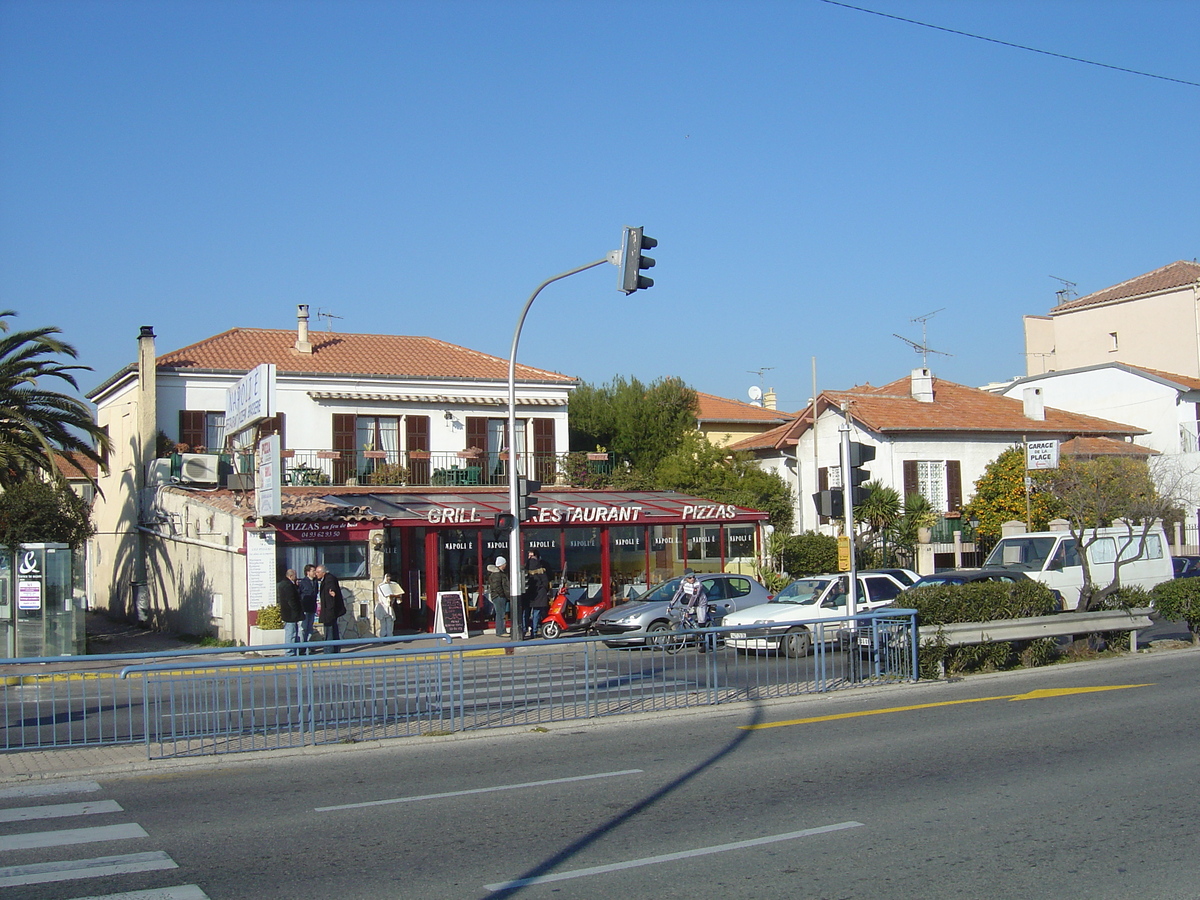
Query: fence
{"x": 236, "y": 705}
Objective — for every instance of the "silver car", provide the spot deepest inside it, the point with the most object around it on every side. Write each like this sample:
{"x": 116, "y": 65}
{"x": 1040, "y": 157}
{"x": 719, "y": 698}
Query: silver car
{"x": 631, "y": 623}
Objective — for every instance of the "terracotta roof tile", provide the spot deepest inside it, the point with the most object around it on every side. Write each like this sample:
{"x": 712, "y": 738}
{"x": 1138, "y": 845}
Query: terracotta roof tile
{"x": 1184, "y": 381}
{"x": 1177, "y": 274}
{"x": 719, "y": 409}
{"x": 63, "y": 460}
{"x": 1103, "y": 446}
{"x": 890, "y": 409}
{"x": 241, "y": 349}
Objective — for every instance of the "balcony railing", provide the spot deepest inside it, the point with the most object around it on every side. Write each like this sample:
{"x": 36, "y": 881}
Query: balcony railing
{"x": 341, "y": 468}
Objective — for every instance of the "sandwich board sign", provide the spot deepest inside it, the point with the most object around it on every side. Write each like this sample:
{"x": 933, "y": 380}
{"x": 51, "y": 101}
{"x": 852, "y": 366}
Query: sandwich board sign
{"x": 1041, "y": 455}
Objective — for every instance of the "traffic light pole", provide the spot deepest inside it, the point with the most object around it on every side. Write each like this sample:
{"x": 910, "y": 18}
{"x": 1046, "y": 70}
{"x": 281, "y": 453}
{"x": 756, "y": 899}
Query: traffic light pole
{"x": 516, "y": 561}
{"x": 848, "y": 501}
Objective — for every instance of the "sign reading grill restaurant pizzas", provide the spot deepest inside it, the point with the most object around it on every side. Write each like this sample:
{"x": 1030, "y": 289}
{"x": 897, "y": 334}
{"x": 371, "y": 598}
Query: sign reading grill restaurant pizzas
{"x": 1041, "y": 455}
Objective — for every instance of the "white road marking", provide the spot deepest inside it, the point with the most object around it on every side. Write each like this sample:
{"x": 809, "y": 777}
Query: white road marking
{"x": 66, "y": 870}
{"x": 59, "y": 810}
{"x": 35, "y": 839}
{"x": 670, "y": 857}
{"x": 180, "y": 892}
{"x": 487, "y": 790}
{"x": 49, "y": 789}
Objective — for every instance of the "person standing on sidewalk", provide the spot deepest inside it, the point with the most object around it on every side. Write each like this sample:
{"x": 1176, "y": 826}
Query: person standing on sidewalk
{"x": 537, "y": 592}
{"x": 308, "y": 603}
{"x": 497, "y": 588}
{"x": 333, "y": 605}
{"x": 287, "y": 595}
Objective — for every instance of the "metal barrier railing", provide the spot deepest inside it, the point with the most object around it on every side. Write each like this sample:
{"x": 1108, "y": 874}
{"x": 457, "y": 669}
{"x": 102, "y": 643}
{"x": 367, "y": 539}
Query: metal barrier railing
{"x": 227, "y": 706}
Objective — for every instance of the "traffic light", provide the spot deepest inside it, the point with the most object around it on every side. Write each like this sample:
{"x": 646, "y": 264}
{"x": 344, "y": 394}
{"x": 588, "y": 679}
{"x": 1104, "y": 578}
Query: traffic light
{"x": 860, "y": 455}
{"x": 504, "y": 521}
{"x": 830, "y": 504}
{"x": 526, "y": 499}
{"x": 633, "y": 242}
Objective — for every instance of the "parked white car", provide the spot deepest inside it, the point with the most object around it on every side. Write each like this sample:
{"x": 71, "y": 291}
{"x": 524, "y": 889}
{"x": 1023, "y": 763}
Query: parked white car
{"x": 789, "y": 616}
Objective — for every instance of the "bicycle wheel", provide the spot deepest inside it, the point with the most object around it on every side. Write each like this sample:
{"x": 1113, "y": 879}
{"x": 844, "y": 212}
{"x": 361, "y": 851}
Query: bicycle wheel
{"x": 674, "y": 641}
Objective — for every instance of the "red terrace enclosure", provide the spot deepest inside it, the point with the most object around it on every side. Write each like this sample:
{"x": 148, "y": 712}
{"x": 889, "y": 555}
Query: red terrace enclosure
{"x": 613, "y": 543}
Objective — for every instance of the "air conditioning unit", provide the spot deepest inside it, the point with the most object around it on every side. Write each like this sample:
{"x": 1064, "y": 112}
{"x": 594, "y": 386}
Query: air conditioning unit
{"x": 199, "y": 468}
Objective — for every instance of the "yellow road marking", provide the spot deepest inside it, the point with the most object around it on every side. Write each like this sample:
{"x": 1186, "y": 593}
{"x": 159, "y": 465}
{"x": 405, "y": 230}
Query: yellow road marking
{"x": 1039, "y": 694}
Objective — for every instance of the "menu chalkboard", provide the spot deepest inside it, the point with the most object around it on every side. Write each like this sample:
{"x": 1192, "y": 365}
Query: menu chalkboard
{"x": 451, "y": 616}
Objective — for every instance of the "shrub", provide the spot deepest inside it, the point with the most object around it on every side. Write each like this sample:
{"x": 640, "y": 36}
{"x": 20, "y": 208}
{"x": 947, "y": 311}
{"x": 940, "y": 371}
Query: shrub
{"x": 985, "y": 601}
{"x": 809, "y": 554}
{"x": 389, "y": 473}
{"x": 269, "y": 617}
{"x": 1179, "y": 600}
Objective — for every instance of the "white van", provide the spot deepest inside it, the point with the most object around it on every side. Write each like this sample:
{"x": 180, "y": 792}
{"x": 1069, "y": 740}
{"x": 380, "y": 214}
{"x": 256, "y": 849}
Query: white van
{"x": 1052, "y": 557}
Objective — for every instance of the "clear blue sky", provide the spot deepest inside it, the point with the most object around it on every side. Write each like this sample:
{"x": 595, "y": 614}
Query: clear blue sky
{"x": 816, "y": 177}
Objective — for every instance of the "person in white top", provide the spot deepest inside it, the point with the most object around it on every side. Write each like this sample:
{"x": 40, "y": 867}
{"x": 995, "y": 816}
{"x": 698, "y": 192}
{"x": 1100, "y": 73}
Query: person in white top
{"x": 388, "y": 598}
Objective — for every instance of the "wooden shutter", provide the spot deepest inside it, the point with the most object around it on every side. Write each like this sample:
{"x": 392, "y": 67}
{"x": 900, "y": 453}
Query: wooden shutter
{"x": 911, "y": 484}
{"x": 544, "y": 462}
{"x": 953, "y": 485}
{"x": 416, "y": 437}
{"x": 416, "y": 432}
{"x": 273, "y": 425}
{"x": 191, "y": 427}
{"x": 477, "y": 432}
{"x": 344, "y": 434}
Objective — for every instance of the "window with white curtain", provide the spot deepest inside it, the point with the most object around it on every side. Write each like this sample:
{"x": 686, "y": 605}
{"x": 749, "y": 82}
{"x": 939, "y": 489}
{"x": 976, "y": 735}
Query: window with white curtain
{"x": 931, "y": 482}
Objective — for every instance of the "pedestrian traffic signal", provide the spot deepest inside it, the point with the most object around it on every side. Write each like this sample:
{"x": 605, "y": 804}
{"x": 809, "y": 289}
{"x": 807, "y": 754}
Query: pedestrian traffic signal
{"x": 505, "y": 521}
{"x": 526, "y": 498}
{"x": 830, "y": 504}
{"x": 860, "y": 455}
{"x": 633, "y": 242}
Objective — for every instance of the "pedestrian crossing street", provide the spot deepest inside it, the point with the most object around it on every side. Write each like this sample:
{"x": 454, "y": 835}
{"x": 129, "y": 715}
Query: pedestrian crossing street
{"x": 49, "y": 808}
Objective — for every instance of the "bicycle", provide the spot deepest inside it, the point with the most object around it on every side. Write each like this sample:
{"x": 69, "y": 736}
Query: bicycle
{"x": 684, "y": 627}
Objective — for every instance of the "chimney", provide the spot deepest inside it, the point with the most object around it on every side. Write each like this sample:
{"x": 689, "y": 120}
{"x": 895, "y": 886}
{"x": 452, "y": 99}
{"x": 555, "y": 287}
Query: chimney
{"x": 922, "y": 385}
{"x": 769, "y": 399}
{"x": 303, "y": 345}
{"x": 1035, "y": 404}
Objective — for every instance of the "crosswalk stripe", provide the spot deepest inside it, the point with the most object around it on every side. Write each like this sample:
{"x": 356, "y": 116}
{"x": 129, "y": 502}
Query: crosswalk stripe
{"x": 59, "y": 810}
{"x": 49, "y": 789}
{"x": 36, "y": 839}
{"x": 66, "y": 870}
{"x": 179, "y": 892}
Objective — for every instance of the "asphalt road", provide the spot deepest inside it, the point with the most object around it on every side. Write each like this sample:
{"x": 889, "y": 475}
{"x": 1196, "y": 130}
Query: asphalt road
{"x": 1072, "y": 781}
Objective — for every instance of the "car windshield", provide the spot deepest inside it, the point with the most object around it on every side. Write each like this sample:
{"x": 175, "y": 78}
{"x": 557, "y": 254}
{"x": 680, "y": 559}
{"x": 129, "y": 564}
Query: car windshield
{"x": 803, "y": 591}
{"x": 1027, "y": 554}
{"x": 661, "y": 594}
{"x": 940, "y": 579}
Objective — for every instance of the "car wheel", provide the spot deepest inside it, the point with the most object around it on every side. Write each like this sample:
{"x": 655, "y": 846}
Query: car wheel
{"x": 550, "y": 630}
{"x": 655, "y": 634}
{"x": 796, "y": 643}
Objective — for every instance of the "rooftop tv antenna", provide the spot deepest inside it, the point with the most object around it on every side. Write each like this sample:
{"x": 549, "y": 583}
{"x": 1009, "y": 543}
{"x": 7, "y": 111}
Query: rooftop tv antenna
{"x": 756, "y": 392}
{"x": 1067, "y": 291}
{"x": 328, "y": 317}
{"x": 923, "y": 348}
{"x": 759, "y": 373}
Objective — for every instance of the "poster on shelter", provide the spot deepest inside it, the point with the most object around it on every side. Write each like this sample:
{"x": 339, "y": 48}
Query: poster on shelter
{"x": 260, "y": 568}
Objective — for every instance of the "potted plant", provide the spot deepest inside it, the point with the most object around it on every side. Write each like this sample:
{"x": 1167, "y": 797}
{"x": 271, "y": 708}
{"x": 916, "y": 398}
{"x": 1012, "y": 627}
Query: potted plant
{"x": 267, "y": 628}
{"x": 418, "y": 454}
{"x": 470, "y": 453}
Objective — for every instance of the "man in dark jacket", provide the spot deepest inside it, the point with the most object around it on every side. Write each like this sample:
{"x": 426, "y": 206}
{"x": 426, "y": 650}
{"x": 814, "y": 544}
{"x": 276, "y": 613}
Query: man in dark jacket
{"x": 333, "y": 605}
{"x": 308, "y": 602}
{"x": 287, "y": 595}
{"x": 497, "y": 588}
{"x": 536, "y": 598}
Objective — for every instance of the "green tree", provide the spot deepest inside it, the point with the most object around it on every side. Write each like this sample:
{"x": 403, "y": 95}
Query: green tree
{"x": 1094, "y": 493}
{"x": 36, "y": 421}
{"x": 1000, "y": 496}
{"x": 640, "y": 424}
{"x": 34, "y": 511}
{"x": 716, "y": 473}
{"x": 810, "y": 554}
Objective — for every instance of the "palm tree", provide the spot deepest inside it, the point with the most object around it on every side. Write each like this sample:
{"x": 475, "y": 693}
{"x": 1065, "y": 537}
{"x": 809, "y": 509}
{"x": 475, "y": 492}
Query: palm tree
{"x": 36, "y": 422}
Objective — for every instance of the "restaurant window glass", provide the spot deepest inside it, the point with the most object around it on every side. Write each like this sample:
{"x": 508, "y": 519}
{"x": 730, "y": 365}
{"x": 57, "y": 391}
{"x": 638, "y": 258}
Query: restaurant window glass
{"x": 627, "y": 561}
{"x": 666, "y": 552}
{"x": 341, "y": 559}
{"x": 546, "y": 542}
{"x": 458, "y": 562}
{"x": 704, "y": 548}
{"x": 739, "y": 545}
{"x": 583, "y": 559}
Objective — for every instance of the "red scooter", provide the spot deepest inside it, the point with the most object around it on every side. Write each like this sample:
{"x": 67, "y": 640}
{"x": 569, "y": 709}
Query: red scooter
{"x": 568, "y": 617}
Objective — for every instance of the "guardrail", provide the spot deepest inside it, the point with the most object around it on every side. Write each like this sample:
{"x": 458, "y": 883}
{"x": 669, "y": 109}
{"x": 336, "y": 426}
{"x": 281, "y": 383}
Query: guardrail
{"x": 1034, "y": 627}
{"x": 233, "y": 705}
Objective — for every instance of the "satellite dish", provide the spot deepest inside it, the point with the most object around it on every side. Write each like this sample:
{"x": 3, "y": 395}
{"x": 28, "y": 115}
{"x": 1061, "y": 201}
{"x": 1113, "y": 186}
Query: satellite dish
{"x": 755, "y": 393}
